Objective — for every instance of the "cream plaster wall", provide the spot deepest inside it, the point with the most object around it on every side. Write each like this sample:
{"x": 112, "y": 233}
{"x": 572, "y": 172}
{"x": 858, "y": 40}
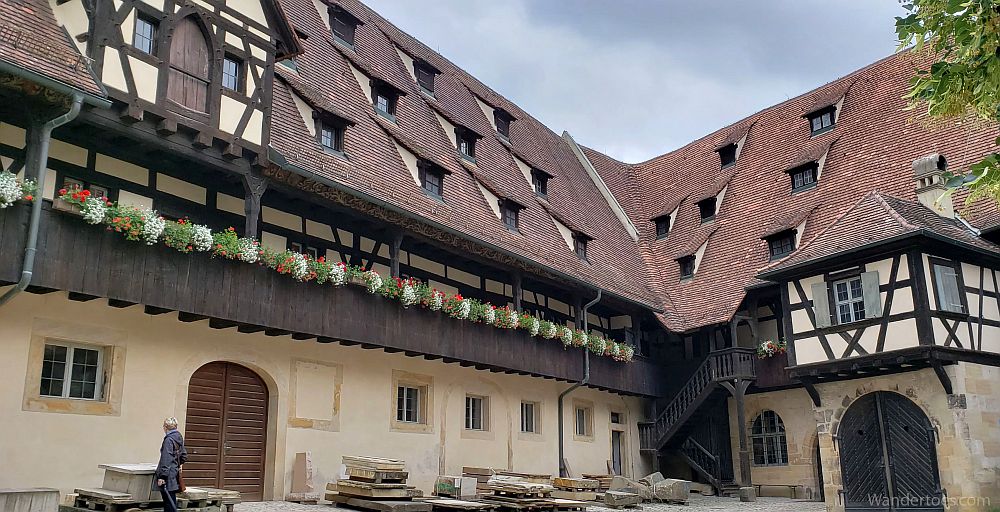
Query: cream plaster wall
{"x": 249, "y": 8}
{"x": 163, "y": 353}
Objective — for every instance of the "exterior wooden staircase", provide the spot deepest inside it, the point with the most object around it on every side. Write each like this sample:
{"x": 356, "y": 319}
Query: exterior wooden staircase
{"x": 671, "y": 428}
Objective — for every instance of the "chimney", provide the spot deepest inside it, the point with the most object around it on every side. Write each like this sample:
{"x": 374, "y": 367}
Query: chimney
{"x": 928, "y": 172}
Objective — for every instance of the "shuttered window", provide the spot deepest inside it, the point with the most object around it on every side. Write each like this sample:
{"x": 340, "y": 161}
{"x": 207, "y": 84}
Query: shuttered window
{"x": 948, "y": 285}
{"x": 188, "y": 78}
{"x": 847, "y": 300}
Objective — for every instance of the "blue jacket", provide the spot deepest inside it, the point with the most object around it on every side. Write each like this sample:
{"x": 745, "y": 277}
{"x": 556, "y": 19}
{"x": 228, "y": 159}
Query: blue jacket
{"x": 172, "y": 455}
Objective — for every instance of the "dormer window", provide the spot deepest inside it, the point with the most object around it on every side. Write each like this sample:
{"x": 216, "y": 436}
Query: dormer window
{"x": 509, "y": 213}
{"x": 540, "y": 182}
{"x": 706, "y": 208}
{"x": 343, "y": 25}
{"x": 502, "y": 120}
{"x": 465, "y": 139}
{"x": 781, "y": 244}
{"x": 662, "y": 226}
{"x": 425, "y": 74}
{"x": 686, "y": 266}
{"x": 822, "y": 120}
{"x": 803, "y": 176}
{"x": 384, "y": 99}
{"x": 727, "y": 155}
{"x": 580, "y": 241}
{"x": 431, "y": 179}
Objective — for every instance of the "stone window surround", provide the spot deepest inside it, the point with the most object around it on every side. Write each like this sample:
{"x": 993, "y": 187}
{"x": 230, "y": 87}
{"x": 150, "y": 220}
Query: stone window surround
{"x": 425, "y": 384}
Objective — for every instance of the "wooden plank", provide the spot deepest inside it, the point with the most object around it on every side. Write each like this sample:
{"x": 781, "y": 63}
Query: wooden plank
{"x": 376, "y": 476}
{"x": 373, "y": 463}
{"x": 377, "y": 505}
{"x": 365, "y": 490}
{"x": 574, "y": 495}
{"x": 453, "y": 504}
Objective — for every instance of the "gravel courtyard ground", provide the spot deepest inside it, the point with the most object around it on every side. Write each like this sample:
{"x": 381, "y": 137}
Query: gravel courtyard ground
{"x": 697, "y": 502}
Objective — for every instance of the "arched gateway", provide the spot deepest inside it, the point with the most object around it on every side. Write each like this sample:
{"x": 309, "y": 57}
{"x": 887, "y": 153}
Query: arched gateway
{"x": 226, "y": 429}
{"x": 887, "y": 456}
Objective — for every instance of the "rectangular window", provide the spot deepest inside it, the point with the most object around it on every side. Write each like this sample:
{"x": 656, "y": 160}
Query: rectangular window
{"x": 331, "y": 137}
{"x": 72, "y": 371}
{"x": 580, "y": 246}
{"x": 687, "y": 266}
{"x": 476, "y": 416}
{"x": 144, "y": 36}
{"x": 948, "y": 285}
{"x": 71, "y": 184}
{"x": 804, "y": 176}
{"x": 385, "y": 102}
{"x": 343, "y": 27}
{"x": 502, "y": 120}
{"x": 509, "y": 214}
{"x": 727, "y": 155}
{"x": 662, "y": 226}
{"x": 616, "y": 418}
{"x": 584, "y": 415}
{"x": 540, "y": 182}
{"x": 528, "y": 412}
{"x": 849, "y": 299}
{"x": 425, "y": 77}
{"x": 781, "y": 244}
{"x": 430, "y": 180}
{"x": 231, "y": 71}
{"x": 466, "y": 142}
{"x": 822, "y": 120}
{"x": 706, "y": 208}
{"x": 408, "y": 404}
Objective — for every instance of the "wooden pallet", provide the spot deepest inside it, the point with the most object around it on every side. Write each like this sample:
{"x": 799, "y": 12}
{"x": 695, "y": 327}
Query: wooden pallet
{"x": 565, "y": 504}
{"x": 517, "y": 493}
{"x": 450, "y": 504}
{"x": 575, "y": 495}
{"x": 575, "y": 484}
{"x": 376, "y": 476}
{"x": 353, "y": 502}
{"x": 374, "y": 491}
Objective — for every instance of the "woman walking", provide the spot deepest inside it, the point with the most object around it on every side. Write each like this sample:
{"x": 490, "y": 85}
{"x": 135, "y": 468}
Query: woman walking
{"x": 168, "y": 470}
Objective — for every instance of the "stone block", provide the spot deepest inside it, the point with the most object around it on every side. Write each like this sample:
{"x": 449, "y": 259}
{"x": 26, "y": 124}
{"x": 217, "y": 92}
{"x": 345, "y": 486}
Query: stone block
{"x": 621, "y": 499}
{"x": 748, "y": 494}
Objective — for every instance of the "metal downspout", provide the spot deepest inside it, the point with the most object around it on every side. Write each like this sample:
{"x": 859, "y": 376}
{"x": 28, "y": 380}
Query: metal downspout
{"x": 586, "y": 378}
{"x": 37, "y": 161}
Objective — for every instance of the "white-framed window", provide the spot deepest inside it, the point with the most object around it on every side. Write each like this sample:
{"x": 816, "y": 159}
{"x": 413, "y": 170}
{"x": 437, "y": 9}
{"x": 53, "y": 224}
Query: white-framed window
{"x": 584, "y": 421}
{"x": 849, "y": 298}
{"x": 529, "y": 417}
{"x": 72, "y": 371}
{"x": 770, "y": 448}
{"x": 476, "y": 415}
{"x": 408, "y": 404}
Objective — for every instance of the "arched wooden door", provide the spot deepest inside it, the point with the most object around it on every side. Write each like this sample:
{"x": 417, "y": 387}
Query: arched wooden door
{"x": 190, "y": 59}
{"x": 226, "y": 430}
{"x": 887, "y": 456}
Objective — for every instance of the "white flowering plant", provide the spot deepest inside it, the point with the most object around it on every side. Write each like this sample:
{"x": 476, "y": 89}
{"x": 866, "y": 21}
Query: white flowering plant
{"x": 770, "y": 348}
{"x": 372, "y": 280}
{"x": 13, "y": 190}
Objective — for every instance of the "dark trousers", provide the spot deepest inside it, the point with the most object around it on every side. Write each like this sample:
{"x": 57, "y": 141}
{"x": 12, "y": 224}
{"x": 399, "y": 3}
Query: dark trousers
{"x": 169, "y": 499}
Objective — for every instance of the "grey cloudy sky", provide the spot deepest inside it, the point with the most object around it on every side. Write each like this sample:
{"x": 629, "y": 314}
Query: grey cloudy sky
{"x": 637, "y": 78}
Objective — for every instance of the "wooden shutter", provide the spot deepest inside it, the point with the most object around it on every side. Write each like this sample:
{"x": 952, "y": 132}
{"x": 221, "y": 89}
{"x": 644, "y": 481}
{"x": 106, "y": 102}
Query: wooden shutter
{"x": 821, "y": 304}
{"x": 187, "y": 83}
{"x": 949, "y": 296}
{"x": 871, "y": 294}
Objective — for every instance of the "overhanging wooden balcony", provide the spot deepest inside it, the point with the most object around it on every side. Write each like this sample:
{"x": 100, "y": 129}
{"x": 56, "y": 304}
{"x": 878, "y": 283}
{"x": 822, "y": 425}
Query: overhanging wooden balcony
{"x": 89, "y": 262}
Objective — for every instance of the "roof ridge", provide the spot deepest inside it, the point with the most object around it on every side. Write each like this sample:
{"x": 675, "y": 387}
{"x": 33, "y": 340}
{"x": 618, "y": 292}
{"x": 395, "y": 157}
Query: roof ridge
{"x": 892, "y": 211}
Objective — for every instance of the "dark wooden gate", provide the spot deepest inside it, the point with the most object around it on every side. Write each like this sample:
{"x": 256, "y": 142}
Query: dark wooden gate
{"x": 887, "y": 456}
{"x": 226, "y": 429}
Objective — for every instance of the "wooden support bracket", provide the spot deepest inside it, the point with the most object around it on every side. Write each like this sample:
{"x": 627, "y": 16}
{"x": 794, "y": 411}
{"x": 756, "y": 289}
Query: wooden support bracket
{"x": 941, "y": 375}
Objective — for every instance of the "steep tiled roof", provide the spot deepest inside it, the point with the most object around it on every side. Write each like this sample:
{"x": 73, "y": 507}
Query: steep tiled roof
{"x": 871, "y": 147}
{"x": 875, "y": 219}
{"x": 30, "y": 38}
{"x": 375, "y": 168}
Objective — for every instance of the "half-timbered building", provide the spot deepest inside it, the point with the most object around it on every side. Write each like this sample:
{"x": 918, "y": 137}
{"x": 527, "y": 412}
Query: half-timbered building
{"x": 352, "y": 246}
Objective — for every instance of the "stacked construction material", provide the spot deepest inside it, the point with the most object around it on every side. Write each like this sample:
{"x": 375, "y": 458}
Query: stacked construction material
{"x": 375, "y": 484}
{"x": 130, "y": 486}
{"x": 482, "y": 476}
{"x": 603, "y": 481}
{"x": 515, "y": 493}
{"x": 576, "y": 489}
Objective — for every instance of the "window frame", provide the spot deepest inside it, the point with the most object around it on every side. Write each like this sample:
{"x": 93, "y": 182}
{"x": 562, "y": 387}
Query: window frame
{"x": 580, "y": 242}
{"x": 423, "y": 69}
{"x": 510, "y": 210}
{"x": 684, "y": 262}
{"x": 533, "y": 423}
{"x": 812, "y": 168}
{"x": 851, "y": 301}
{"x": 154, "y": 25}
{"x": 815, "y": 115}
{"x": 502, "y": 119}
{"x": 338, "y": 131}
{"x": 474, "y": 415}
{"x": 240, "y": 84}
{"x": 540, "y": 182}
{"x": 402, "y": 389}
{"x": 662, "y": 226}
{"x": 787, "y": 235}
{"x": 466, "y": 137}
{"x": 583, "y": 416}
{"x": 759, "y": 431}
{"x": 69, "y": 363}
{"x": 425, "y": 170}
{"x": 346, "y": 19}
{"x": 727, "y": 155}
{"x": 956, "y": 267}
{"x": 703, "y": 207}
{"x": 391, "y": 98}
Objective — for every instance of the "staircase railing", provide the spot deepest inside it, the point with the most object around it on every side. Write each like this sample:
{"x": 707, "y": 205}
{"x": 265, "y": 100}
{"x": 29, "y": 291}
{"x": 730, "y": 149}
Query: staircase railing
{"x": 702, "y": 461}
{"x": 721, "y": 365}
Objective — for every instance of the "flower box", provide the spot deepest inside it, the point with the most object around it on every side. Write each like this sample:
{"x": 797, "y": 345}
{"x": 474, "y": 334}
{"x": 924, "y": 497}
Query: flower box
{"x": 66, "y": 207}
{"x": 771, "y": 371}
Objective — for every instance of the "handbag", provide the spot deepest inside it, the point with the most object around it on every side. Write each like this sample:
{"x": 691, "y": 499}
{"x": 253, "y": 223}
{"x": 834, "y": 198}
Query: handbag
{"x": 180, "y": 474}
